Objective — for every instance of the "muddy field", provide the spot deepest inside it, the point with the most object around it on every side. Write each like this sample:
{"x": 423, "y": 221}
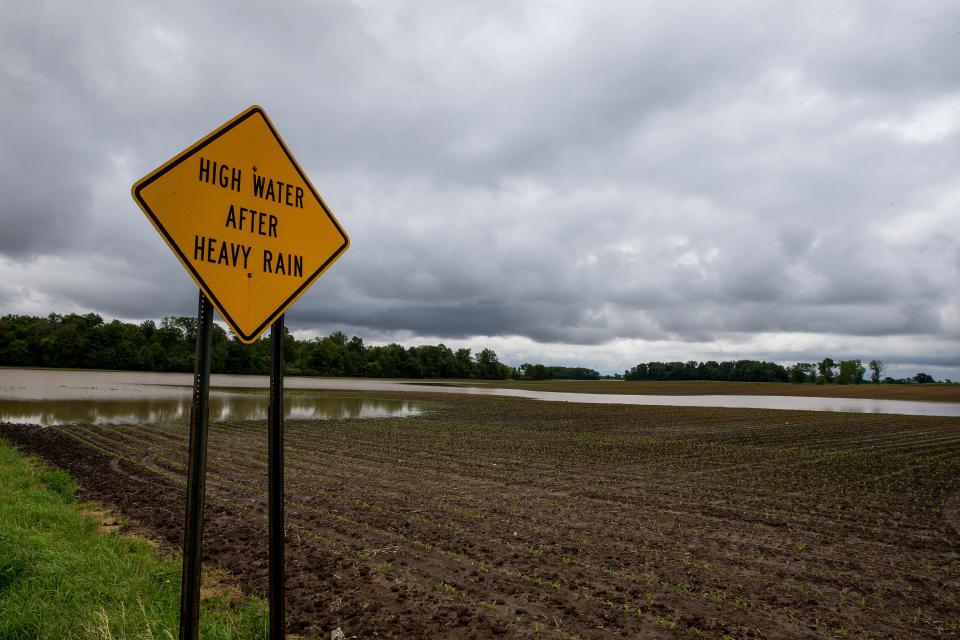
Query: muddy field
{"x": 502, "y": 517}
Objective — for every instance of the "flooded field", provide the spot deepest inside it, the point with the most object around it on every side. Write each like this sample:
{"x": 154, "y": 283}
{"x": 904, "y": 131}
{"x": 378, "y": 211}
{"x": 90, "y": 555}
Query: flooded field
{"x": 47, "y": 398}
{"x": 110, "y": 396}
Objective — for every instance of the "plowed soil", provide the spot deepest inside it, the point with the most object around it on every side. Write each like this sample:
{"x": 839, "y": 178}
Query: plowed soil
{"x": 502, "y": 517}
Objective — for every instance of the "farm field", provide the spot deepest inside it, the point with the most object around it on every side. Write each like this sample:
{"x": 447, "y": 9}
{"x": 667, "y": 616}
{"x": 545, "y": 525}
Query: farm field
{"x": 506, "y": 517}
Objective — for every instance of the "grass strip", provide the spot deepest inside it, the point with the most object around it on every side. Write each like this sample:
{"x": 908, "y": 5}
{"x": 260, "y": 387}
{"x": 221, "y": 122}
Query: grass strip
{"x": 61, "y": 577}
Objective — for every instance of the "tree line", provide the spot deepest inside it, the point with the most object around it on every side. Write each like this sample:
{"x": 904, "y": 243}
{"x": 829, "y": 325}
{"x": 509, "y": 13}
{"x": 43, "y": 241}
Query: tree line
{"x": 87, "y": 341}
{"x": 740, "y": 370}
{"x": 827, "y": 371}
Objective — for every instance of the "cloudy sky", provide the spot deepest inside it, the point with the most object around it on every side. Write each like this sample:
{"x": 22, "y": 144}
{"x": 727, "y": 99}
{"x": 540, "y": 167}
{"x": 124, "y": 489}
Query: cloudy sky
{"x": 567, "y": 182}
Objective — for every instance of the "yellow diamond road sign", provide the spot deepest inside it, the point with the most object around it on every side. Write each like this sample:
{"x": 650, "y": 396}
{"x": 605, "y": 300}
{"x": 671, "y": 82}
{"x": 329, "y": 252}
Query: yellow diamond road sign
{"x": 244, "y": 220}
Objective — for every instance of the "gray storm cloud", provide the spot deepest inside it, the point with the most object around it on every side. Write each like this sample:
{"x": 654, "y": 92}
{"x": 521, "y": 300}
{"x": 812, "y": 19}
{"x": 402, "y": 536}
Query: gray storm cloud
{"x": 606, "y": 182}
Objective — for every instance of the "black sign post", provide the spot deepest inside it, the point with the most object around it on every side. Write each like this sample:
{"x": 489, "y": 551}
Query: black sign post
{"x": 196, "y": 480}
{"x": 196, "y": 477}
{"x": 275, "y": 473}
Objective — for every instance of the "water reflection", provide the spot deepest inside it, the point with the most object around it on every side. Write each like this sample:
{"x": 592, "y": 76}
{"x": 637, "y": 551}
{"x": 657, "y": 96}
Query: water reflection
{"x": 223, "y": 406}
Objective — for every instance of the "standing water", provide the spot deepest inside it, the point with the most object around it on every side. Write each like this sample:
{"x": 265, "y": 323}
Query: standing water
{"x": 45, "y": 396}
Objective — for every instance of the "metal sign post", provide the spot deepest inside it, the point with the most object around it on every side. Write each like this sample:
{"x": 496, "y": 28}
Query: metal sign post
{"x": 275, "y": 473}
{"x": 196, "y": 477}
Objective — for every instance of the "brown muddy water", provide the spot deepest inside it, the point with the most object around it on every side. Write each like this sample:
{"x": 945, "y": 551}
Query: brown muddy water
{"x": 46, "y": 396}
{"x": 52, "y": 397}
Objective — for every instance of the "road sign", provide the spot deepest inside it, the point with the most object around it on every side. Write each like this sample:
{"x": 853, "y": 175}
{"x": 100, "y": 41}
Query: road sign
{"x": 244, "y": 220}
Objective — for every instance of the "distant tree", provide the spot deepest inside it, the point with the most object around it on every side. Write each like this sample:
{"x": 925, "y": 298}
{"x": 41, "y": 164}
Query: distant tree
{"x": 354, "y": 357}
{"x": 327, "y": 354}
{"x": 923, "y": 378}
{"x": 389, "y": 361}
{"x": 464, "y": 366}
{"x": 876, "y": 370}
{"x": 527, "y": 371}
{"x": 291, "y": 352}
{"x": 489, "y": 367}
{"x": 434, "y": 361}
{"x": 16, "y": 353}
{"x": 147, "y": 327}
{"x": 825, "y": 368}
{"x": 572, "y": 373}
{"x": 851, "y": 372}
{"x": 218, "y": 349}
{"x": 803, "y": 372}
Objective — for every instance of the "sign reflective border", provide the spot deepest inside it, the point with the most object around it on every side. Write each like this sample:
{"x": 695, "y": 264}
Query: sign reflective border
{"x": 244, "y": 220}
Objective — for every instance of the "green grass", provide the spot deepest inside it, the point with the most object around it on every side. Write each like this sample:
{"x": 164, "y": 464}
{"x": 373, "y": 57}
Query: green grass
{"x": 61, "y": 577}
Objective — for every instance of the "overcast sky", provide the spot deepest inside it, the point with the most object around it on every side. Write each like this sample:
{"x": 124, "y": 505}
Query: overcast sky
{"x": 567, "y": 182}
